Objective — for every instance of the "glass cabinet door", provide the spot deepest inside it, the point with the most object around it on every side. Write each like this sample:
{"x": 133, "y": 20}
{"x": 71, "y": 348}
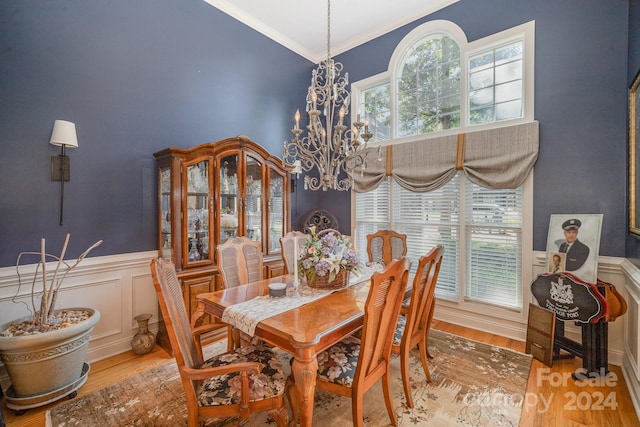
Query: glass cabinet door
{"x": 253, "y": 199}
{"x": 165, "y": 213}
{"x": 276, "y": 210}
{"x": 228, "y": 198}
{"x": 197, "y": 217}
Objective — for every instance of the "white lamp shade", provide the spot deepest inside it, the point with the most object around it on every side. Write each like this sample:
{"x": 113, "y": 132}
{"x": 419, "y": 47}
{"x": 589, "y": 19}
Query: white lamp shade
{"x": 64, "y": 133}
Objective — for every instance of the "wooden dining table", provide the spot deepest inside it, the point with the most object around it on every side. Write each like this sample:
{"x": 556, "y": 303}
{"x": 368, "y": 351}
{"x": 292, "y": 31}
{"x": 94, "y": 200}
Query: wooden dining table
{"x": 304, "y": 331}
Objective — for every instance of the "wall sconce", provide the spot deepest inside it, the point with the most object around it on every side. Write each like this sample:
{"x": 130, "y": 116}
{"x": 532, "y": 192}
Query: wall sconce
{"x": 64, "y": 135}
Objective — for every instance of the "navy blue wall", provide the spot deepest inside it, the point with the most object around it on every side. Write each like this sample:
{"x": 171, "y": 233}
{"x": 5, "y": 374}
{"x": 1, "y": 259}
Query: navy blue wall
{"x": 139, "y": 76}
{"x": 135, "y": 77}
{"x": 633, "y": 243}
{"x": 580, "y": 100}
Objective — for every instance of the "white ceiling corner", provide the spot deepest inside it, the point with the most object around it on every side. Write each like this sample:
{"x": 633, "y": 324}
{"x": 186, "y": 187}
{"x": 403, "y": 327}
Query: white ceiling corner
{"x": 301, "y": 25}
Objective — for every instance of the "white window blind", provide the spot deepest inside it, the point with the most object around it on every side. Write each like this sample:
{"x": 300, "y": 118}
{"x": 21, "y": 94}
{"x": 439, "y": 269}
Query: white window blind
{"x": 373, "y": 213}
{"x": 429, "y": 219}
{"x": 484, "y": 224}
{"x": 493, "y": 223}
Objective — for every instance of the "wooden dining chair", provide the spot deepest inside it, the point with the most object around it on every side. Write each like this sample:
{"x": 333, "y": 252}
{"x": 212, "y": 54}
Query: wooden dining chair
{"x": 383, "y": 246}
{"x": 239, "y": 261}
{"x": 414, "y": 321}
{"x": 236, "y": 383}
{"x": 353, "y": 366}
{"x": 286, "y": 244}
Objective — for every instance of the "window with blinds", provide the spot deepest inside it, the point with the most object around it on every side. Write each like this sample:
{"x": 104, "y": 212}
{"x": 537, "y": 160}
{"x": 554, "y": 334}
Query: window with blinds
{"x": 373, "y": 214}
{"x": 493, "y": 235}
{"x": 437, "y": 81}
{"x": 479, "y": 228}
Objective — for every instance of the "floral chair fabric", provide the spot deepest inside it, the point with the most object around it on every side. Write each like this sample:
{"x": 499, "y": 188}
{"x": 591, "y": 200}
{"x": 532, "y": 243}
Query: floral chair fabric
{"x": 338, "y": 363}
{"x": 225, "y": 389}
{"x": 397, "y": 336}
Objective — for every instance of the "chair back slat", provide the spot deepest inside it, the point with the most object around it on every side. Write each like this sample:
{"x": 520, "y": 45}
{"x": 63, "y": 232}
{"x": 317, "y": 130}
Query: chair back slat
{"x": 253, "y": 262}
{"x": 240, "y": 261}
{"x": 398, "y": 247}
{"x": 174, "y": 313}
{"x": 381, "y": 312}
{"x": 383, "y": 246}
{"x": 423, "y": 294}
{"x": 414, "y": 331}
{"x": 286, "y": 244}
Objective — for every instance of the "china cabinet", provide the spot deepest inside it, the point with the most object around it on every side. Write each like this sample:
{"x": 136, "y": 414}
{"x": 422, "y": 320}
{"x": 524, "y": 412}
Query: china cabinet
{"x": 214, "y": 191}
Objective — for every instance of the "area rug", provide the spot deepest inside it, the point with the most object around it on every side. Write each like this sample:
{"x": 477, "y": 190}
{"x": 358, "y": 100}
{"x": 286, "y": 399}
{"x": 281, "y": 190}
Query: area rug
{"x": 473, "y": 384}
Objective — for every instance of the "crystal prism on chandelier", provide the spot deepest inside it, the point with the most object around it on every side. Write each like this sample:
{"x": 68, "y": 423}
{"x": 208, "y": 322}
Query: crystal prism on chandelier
{"x": 327, "y": 146}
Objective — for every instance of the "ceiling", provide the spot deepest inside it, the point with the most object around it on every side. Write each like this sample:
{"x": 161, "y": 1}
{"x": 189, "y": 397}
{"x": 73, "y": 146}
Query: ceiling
{"x": 301, "y": 25}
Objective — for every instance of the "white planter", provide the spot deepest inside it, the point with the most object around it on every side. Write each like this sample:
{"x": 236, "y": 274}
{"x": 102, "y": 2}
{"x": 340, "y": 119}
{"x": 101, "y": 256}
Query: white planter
{"x": 40, "y": 363}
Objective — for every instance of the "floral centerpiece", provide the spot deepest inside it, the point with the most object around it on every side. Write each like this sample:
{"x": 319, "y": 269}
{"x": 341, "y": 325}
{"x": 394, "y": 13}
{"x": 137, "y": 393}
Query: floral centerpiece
{"x": 327, "y": 258}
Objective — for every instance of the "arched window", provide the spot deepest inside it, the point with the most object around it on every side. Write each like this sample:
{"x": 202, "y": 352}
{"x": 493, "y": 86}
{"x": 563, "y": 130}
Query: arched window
{"x": 439, "y": 87}
{"x": 428, "y": 86}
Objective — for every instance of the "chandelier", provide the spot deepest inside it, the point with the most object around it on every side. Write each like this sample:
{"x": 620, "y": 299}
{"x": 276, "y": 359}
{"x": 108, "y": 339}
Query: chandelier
{"x": 327, "y": 146}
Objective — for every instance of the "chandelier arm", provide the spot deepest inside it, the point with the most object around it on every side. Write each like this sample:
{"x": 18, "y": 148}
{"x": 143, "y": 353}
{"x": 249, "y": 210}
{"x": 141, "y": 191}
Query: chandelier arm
{"x": 329, "y": 145}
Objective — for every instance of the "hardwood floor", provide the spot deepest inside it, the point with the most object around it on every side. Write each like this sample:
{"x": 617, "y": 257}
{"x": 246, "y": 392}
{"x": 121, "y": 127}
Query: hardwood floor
{"x": 552, "y": 397}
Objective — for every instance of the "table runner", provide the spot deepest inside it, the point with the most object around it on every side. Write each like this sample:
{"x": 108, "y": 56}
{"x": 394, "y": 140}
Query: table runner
{"x": 247, "y": 314}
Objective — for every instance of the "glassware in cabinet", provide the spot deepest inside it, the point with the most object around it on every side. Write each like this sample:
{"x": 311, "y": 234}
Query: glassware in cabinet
{"x": 229, "y": 200}
{"x": 253, "y": 199}
{"x": 165, "y": 213}
{"x": 197, "y": 218}
{"x": 276, "y": 210}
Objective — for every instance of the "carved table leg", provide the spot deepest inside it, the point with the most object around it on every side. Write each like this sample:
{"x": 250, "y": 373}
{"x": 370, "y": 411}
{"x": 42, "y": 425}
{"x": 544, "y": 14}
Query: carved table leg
{"x": 304, "y": 369}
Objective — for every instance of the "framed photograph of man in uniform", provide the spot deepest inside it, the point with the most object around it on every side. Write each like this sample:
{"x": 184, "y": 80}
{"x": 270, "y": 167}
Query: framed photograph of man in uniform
{"x": 575, "y": 240}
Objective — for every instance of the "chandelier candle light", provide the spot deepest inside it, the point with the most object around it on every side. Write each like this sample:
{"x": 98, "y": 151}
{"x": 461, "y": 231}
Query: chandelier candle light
{"x": 326, "y": 147}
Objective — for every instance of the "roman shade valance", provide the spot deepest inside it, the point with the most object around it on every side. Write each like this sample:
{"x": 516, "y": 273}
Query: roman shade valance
{"x": 496, "y": 158}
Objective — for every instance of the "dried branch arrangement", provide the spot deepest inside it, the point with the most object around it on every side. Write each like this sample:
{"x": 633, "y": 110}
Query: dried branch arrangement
{"x": 49, "y": 282}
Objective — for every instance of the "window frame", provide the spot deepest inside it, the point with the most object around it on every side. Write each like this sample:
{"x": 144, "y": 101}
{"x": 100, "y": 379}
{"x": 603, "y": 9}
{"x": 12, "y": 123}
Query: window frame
{"x": 525, "y": 32}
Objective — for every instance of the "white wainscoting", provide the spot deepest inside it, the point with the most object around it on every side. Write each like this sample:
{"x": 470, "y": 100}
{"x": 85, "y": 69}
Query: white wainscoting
{"x": 631, "y": 361}
{"x": 119, "y": 286}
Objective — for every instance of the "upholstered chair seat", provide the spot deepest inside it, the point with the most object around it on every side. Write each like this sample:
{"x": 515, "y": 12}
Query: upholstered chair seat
{"x": 397, "y": 336}
{"x": 225, "y": 389}
{"x": 338, "y": 363}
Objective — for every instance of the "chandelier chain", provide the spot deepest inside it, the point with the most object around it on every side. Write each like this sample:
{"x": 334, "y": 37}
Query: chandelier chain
{"x": 328, "y": 30}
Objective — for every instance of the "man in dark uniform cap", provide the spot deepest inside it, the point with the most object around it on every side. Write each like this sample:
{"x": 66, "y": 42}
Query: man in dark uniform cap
{"x": 577, "y": 252}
